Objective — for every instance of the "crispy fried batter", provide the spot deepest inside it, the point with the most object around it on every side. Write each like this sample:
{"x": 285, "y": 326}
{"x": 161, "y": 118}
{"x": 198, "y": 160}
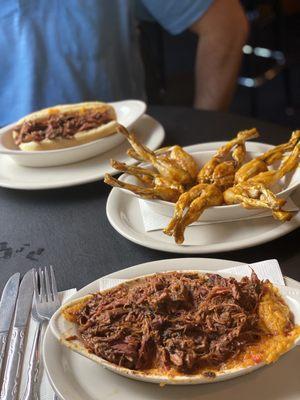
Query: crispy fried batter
{"x": 173, "y": 176}
{"x": 260, "y": 164}
{"x": 157, "y": 192}
{"x": 216, "y": 176}
{"x": 166, "y": 167}
{"x": 206, "y": 172}
{"x": 210, "y": 196}
{"x": 255, "y": 192}
{"x": 147, "y": 176}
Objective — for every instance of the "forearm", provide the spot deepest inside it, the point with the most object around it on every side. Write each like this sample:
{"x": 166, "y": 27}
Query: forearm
{"x": 219, "y": 53}
{"x": 215, "y": 75}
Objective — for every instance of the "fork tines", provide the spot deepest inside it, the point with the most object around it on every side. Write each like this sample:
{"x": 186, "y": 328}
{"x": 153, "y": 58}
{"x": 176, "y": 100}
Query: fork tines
{"x": 45, "y": 289}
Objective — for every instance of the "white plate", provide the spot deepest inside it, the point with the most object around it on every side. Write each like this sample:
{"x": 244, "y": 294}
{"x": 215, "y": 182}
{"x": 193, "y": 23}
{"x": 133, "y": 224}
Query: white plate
{"x": 123, "y": 212}
{"x": 149, "y": 131}
{"x": 128, "y": 112}
{"x": 76, "y": 378}
{"x": 60, "y": 327}
{"x": 284, "y": 187}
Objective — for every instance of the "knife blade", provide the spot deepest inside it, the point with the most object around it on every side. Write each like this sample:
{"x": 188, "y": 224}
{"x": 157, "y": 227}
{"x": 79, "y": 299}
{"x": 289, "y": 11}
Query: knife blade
{"x": 12, "y": 373}
{"x": 7, "y": 307}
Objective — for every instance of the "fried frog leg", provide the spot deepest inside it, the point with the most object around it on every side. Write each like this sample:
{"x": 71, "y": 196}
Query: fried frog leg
{"x": 260, "y": 164}
{"x": 206, "y": 172}
{"x": 183, "y": 202}
{"x": 210, "y": 196}
{"x": 157, "y": 192}
{"x": 165, "y": 166}
{"x": 145, "y": 175}
{"x": 257, "y": 196}
{"x": 254, "y": 193}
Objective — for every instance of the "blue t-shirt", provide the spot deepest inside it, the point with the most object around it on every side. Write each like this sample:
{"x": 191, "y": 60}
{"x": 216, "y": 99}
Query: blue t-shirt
{"x": 64, "y": 51}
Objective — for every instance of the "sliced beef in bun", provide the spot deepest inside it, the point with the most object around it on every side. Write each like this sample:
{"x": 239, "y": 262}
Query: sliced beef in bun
{"x": 65, "y": 126}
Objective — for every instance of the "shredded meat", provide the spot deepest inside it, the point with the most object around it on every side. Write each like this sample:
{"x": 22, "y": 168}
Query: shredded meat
{"x": 60, "y": 125}
{"x": 182, "y": 321}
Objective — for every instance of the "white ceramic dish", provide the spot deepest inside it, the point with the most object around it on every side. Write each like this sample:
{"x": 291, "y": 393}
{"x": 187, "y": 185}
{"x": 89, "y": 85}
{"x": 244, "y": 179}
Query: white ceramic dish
{"x": 62, "y": 329}
{"x": 128, "y": 112}
{"x": 74, "y": 377}
{"x": 123, "y": 212}
{"x": 283, "y": 188}
{"x": 14, "y": 176}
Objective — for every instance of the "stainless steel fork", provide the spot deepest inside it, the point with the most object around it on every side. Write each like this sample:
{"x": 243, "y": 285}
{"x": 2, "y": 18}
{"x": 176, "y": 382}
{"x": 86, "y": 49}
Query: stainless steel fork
{"x": 46, "y": 302}
{"x": 46, "y": 299}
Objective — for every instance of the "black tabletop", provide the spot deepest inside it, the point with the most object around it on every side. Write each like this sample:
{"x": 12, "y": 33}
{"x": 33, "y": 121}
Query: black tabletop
{"x": 68, "y": 228}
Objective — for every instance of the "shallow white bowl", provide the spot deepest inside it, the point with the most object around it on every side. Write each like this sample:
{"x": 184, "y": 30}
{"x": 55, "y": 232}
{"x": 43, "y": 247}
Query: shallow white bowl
{"x": 283, "y": 188}
{"x": 62, "y": 328}
{"x": 128, "y": 112}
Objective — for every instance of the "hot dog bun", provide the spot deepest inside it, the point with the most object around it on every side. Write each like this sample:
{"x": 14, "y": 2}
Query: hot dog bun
{"x": 81, "y": 137}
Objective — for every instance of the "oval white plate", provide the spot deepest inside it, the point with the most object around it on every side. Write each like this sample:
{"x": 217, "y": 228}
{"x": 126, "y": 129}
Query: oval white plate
{"x": 123, "y": 212}
{"x": 128, "y": 112}
{"x": 14, "y": 176}
{"x": 283, "y": 188}
{"x": 75, "y": 378}
{"x": 60, "y": 327}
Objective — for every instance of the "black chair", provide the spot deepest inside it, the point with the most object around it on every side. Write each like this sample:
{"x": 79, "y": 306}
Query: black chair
{"x": 262, "y": 64}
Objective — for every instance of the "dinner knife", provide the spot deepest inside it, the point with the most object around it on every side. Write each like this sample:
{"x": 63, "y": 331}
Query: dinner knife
{"x": 7, "y": 307}
{"x": 12, "y": 373}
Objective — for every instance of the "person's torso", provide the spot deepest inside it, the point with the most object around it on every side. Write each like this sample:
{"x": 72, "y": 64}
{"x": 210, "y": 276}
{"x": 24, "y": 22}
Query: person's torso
{"x": 56, "y": 51}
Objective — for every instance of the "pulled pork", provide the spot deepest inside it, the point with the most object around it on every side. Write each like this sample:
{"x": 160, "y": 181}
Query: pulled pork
{"x": 60, "y": 125}
{"x": 180, "y": 321}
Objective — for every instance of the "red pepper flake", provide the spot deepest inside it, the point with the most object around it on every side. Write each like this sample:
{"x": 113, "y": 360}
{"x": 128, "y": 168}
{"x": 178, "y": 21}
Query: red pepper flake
{"x": 256, "y": 358}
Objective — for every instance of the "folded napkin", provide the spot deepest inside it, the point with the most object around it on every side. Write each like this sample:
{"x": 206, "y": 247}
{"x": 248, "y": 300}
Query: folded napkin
{"x": 154, "y": 222}
{"x": 268, "y": 269}
{"x": 46, "y": 392}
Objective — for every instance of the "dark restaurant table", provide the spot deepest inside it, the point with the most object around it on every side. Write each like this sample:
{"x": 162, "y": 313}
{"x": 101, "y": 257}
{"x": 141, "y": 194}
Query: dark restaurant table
{"x": 68, "y": 228}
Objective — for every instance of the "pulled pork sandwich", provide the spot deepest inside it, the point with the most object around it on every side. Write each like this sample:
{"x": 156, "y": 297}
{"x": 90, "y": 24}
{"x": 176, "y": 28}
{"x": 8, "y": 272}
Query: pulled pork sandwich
{"x": 65, "y": 126}
{"x": 184, "y": 323}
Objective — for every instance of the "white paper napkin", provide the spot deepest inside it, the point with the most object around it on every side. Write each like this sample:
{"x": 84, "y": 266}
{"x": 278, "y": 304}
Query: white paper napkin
{"x": 268, "y": 269}
{"x": 154, "y": 222}
{"x": 46, "y": 391}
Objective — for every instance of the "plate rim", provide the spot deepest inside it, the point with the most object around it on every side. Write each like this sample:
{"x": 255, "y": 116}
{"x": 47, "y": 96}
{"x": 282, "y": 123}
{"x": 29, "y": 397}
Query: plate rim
{"x": 155, "y": 244}
{"x": 79, "y": 181}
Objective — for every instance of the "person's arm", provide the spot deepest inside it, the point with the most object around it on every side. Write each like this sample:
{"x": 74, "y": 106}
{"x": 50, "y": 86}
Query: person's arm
{"x": 222, "y": 32}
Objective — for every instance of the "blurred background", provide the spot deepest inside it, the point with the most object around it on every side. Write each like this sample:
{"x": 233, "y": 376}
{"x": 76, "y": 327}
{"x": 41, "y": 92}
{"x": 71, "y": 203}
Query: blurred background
{"x": 269, "y": 80}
